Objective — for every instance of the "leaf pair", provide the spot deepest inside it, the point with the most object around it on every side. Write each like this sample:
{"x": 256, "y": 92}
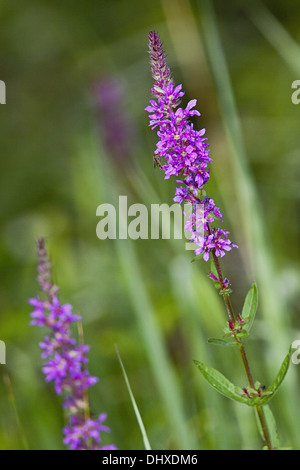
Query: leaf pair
{"x": 220, "y": 383}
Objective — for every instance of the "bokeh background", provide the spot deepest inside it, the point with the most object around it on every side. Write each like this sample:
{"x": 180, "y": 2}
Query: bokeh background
{"x": 74, "y": 135}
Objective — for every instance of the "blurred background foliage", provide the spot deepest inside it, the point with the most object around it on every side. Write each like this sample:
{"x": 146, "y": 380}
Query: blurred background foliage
{"x": 74, "y": 135}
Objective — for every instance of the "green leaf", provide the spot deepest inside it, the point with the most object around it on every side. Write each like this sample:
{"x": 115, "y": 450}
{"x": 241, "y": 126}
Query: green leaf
{"x": 197, "y": 257}
{"x": 282, "y": 373}
{"x": 242, "y": 334}
{"x": 221, "y": 342}
{"x": 271, "y": 426}
{"x": 250, "y": 308}
{"x": 220, "y": 383}
{"x": 214, "y": 269}
{"x": 272, "y": 389}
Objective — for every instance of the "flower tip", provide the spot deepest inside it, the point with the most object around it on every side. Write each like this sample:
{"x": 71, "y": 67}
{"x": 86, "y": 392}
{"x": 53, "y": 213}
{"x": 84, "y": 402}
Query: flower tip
{"x": 153, "y": 34}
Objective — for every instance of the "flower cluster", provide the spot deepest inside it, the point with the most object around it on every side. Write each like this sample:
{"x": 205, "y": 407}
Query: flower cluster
{"x": 185, "y": 153}
{"x": 66, "y": 362}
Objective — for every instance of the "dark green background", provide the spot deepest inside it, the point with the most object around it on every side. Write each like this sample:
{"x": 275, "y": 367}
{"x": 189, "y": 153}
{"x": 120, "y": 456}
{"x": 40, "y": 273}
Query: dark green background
{"x": 57, "y": 165}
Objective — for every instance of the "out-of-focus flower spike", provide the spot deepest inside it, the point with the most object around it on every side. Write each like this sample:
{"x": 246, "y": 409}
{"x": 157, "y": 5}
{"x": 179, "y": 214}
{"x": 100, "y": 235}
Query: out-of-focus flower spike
{"x": 67, "y": 361}
{"x": 44, "y": 270}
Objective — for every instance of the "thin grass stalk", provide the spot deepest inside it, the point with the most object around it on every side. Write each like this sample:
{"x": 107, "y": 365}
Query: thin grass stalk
{"x": 275, "y": 33}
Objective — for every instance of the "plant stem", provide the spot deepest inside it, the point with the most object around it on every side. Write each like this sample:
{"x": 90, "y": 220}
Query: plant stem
{"x": 243, "y": 354}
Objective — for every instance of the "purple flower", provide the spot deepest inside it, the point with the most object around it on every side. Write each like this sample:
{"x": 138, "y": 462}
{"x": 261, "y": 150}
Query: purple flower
{"x": 83, "y": 432}
{"x": 205, "y": 247}
{"x": 67, "y": 361}
{"x": 38, "y": 315}
{"x": 220, "y": 242}
{"x": 185, "y": 152}
{"x": 56, "y": 342}
{"x": 181, "y": 194}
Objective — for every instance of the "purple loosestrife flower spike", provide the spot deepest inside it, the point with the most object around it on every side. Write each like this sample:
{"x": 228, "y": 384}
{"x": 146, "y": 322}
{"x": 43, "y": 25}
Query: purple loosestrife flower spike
{"x": 67, "y": 361}
{"x": 44, "y": 270}
{"x": 159, "y": 68}
{"x": 185, "y": 154}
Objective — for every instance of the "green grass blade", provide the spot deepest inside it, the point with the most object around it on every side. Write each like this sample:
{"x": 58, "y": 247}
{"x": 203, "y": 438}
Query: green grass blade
{"x": 135, "y": 407}
{"x": 276, "y": 34}
{"x": 12, "y": 400}
{"x": 153, "y": 342}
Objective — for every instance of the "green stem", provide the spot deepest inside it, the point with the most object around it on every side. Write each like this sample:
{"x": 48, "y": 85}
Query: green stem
{"x": 243, "y": 354}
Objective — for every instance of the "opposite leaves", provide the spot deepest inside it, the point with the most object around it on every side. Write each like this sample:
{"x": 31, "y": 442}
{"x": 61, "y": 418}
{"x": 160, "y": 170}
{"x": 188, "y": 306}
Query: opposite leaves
{"x": 250, "y": 397}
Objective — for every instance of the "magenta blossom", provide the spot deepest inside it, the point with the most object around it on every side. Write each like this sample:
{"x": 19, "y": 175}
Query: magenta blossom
{"x": 67, "y": 361}
{"x": 185, "y": 152}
